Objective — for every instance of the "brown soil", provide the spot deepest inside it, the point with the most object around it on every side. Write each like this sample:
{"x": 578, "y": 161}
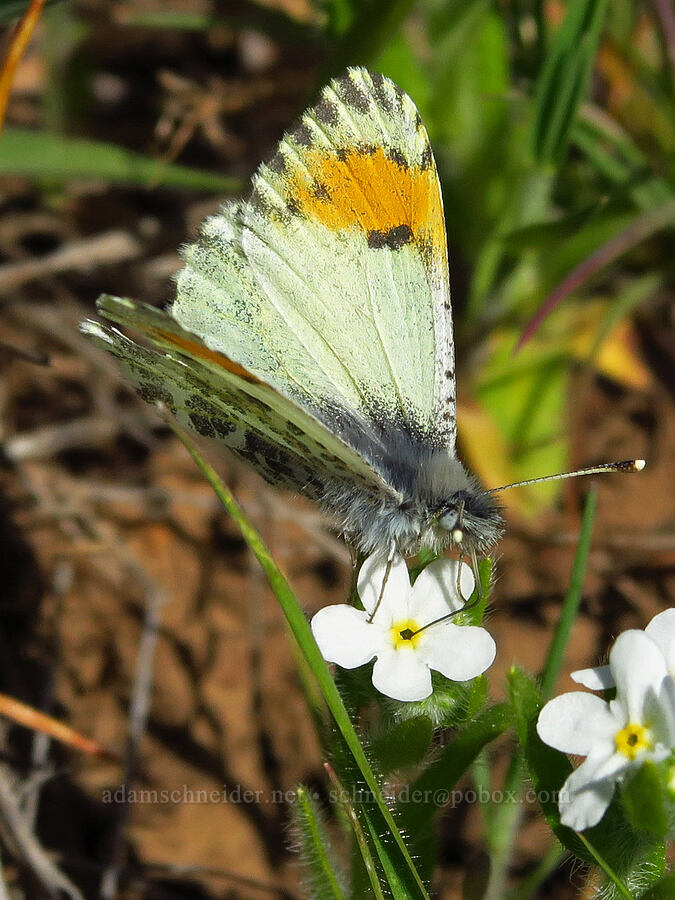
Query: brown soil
{"x": 103, "y": 515}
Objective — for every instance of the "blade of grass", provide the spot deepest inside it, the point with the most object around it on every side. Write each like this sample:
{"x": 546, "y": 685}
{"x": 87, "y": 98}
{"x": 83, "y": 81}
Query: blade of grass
{"x": 612, "y": 152}
{"x": 530, "y": 884}
{"x": 303, "y": 634}
{"x": 267, "y": 20}
{"x": 606, "y": 868}
{"x": 43, "y": 154}
{"x": 556, "y": 650}
{"x": 564, "y": 78}
{"x": 322, "y": 875}
{"x": 503, "y": 829}
{"x": 359, "y": 835}
{"x": 640, "y": 229}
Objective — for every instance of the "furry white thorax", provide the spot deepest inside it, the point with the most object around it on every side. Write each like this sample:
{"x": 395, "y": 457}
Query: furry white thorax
{"x": 371, "y": 523}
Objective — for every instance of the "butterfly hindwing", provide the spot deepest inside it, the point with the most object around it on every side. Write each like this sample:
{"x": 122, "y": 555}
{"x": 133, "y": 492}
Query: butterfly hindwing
{"x": 217, "y": 398}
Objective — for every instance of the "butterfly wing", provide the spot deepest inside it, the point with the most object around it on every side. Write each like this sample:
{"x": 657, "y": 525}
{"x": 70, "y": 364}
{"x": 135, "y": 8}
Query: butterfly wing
{"x": 331, "y": 282}
{"x": 217, "y": 398}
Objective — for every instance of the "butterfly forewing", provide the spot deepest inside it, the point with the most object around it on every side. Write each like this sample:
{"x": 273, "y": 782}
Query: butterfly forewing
{"x": 331, "y": 281}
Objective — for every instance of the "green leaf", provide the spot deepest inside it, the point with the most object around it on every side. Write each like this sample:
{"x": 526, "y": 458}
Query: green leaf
{"x": 568, "y": 613}
{"x": 372, "y": 26}
{"x": 362, "y": 843}
{"x": 433, "y": 789}
{"x": 564, "y": 78}
{"x": 302, "y": 632}
{"x": 320, "y": 870}
{"x": 619, "y": 160}
{"x": 41, "y": 154}
{"x": 404, "y": 745}
{"x": 430, "y": 791}
{"x": 276, "y": 23}
{"x": 379, "y": 838}
{"x": 664, "y": 889}
{"x": 548, "y": 768}
{"x": 547, "y": 235}
{"x": 643, "y": 800}
{"x": 637, "y": 230}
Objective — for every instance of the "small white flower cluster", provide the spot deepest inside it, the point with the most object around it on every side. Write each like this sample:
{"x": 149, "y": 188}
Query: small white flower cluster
{"x": 398, "y": 627}
{"x": 622, "y": 734}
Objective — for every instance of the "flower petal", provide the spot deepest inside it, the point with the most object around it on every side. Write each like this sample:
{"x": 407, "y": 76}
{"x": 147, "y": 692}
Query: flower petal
{"x": 402, "y": 675}
{"x": 663, "y": 715}
{"x": 661, "y": 630}
{"x": 576, "y": 723}
{"x": 615, "y": 765}
{"x": 583, "y": 802}
{"x": 435, "y": 590}
{"x": 344, "y": 636}
{"x": 638, "y": 672}
{"x": 599, "y": 678}
{"x": 459, "y": 652}
{"x": 396, "y": 590}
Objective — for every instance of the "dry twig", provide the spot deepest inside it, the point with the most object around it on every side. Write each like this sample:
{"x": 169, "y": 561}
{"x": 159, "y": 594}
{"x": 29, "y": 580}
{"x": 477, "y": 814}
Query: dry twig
{"x": 26, "y": 845}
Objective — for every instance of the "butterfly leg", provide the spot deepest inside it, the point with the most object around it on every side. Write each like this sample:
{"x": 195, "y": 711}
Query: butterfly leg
{"x": 390, "y": 562}
{"x": 468, "y": 605}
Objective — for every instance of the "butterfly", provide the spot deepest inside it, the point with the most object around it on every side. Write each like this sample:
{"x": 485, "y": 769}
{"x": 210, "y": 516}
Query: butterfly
{"x": 311, "y": 332}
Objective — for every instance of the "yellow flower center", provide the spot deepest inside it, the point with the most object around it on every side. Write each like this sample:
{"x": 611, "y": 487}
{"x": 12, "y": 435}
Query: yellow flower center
{"x": 403, "y": 634}
{"x": 633, "y": 739}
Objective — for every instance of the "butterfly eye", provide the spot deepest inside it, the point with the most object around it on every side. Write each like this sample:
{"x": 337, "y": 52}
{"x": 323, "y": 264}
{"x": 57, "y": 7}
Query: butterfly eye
{"x": 450, "y": 521}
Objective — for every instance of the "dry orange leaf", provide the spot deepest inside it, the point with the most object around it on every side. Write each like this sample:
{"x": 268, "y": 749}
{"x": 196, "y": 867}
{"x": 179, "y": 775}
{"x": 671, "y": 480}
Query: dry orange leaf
{"x": 39, "y": 721}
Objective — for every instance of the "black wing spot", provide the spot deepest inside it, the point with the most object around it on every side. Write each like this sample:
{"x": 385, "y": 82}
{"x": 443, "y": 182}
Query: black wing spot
{"x": 155, "y": 393}
{"x": 427, "y": 157}
{"x": 278, "y": 163}
{"x": 320, "y": 191}
{"x": 352, "y": 94}
{"x": 382, "y": 95}
{"x": 398, "y": 157}
{"x": 395, "y": 238}
{"x": 302, "y": 135}
{"x": 326, "y": 112}
{"x": 202, "y": 424}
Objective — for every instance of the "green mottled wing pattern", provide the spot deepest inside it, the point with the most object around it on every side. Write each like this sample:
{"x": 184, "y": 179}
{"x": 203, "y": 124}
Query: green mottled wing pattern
{"x": 271, "y": 433}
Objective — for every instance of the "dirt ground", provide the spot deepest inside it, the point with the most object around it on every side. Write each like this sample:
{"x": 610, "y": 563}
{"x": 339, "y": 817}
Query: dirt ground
{"x": 103, "y": 517}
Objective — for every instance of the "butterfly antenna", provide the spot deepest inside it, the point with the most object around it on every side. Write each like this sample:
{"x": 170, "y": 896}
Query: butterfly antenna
{"x": 626, "y": 465}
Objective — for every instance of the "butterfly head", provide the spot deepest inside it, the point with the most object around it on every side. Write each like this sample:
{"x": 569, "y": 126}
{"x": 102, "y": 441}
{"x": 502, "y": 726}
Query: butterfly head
{"x": 473, "y": 521}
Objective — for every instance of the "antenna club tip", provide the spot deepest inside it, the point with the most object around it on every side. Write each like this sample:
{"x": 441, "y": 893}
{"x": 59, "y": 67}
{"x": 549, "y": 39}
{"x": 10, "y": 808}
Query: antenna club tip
{"x": 639, "y": 464}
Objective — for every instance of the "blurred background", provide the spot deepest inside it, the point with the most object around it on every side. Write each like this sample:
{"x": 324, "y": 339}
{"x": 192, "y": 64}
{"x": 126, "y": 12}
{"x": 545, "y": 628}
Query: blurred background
{"x": 121, "y": 580}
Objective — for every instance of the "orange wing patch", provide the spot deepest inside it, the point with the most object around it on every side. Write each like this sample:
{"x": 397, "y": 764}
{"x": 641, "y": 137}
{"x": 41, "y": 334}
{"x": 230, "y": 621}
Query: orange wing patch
{"x": 199, "y": 351}
{"x": 392, "y": 201}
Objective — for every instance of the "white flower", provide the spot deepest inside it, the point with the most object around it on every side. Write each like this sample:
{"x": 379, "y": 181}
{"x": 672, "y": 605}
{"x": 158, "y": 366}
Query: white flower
{"x": 637, "y": 726}
{"x": 394, "y": 631}
{"x": 661, "y": 630}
